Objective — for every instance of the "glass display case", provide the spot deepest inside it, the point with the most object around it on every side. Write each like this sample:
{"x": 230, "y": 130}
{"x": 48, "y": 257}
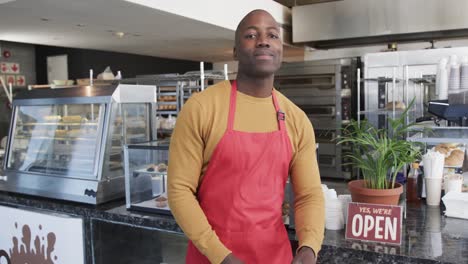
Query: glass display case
{"x": 146, "y": 176}
{"x": 68, "y": 143}
{"x": 445, "y": 140}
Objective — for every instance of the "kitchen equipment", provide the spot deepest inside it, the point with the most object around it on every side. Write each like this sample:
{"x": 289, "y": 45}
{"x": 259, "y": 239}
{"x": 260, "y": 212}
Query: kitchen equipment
{"x": 325, "y": 90}
{"x": 404, "y": 76}
{"x": 67, "y": 143}
{"x": 455, "y": 114}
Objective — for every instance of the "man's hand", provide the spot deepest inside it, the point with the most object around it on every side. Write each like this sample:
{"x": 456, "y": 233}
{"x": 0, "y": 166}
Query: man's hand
{"x": 231, "y": 259}
{"x": 305, "y": 256}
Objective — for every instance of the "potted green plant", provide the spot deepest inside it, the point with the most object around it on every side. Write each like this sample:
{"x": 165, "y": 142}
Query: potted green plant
{"x": 379, "y": 154}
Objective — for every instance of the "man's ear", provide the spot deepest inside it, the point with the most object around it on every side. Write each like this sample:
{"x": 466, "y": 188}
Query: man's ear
{"x": 234, "y": 53}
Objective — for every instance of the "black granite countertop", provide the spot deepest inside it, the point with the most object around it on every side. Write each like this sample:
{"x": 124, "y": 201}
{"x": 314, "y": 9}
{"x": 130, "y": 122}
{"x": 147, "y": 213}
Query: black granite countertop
{"x": 428, "y": 236}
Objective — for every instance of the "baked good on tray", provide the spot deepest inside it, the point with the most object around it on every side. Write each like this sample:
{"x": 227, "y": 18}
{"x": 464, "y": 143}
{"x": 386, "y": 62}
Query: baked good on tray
{"x": 162, "y": 167}
{"x": 52, "y": 118}
{"x": 152, "y": 168}
{"x": 161, "y": 201}
{"x": 72, "y": 119}
{"x": 442, "y": 149}
{"x": 455, "y": 158}
{"x": 398, "y": 105}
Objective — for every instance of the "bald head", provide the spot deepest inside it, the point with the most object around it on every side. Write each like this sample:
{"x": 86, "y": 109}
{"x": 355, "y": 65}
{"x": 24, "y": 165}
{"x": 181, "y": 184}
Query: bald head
{"x": 242, "y": 23}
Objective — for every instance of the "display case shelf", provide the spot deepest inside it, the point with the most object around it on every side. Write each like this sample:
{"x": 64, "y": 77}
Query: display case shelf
{"x": 436, "y": 135}
{"x": 144, "y": 170}
{"x": 162, "y": 93}
{"x": 49, "y": 138}
{"x": 386, "y": 111}
{"x": 167, "y": 103}
{"x": 165, "y": 112}
{"x": 59, "y": 124}
{"x": 382, "y": 79}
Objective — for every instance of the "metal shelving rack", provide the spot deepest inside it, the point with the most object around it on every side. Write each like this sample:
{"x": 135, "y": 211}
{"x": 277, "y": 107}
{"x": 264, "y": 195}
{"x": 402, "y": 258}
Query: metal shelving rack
{"x": 181, "y": 86}
{"x": 167, "y": 88}
{"x": 194, "y": 82}
{"x": 178, "y": 86}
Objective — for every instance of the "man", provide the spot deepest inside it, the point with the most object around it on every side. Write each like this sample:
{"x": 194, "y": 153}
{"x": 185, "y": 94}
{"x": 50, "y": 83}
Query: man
{"x": 231, "y": 152}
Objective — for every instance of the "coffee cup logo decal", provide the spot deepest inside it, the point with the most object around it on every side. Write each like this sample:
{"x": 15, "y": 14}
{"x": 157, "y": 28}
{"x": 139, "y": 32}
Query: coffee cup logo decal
{"x": 25, "y": 250}
{"x": 4, "y": 255}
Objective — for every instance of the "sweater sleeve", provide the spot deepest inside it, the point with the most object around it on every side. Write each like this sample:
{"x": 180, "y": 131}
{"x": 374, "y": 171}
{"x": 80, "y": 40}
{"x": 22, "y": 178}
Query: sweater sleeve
{"x": 184, "y": 171}
{"x": 309, "y": 201}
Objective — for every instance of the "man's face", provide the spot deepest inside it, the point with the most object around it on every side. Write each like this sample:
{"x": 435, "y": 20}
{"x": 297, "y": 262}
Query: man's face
{"x": 259, "y": 48}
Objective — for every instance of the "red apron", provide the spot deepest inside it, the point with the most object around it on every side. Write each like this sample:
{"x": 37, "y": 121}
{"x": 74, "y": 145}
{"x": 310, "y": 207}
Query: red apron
{"x": 242, "y": 192}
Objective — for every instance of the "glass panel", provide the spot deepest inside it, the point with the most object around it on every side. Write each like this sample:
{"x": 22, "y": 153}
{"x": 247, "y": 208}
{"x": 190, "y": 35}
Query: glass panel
{"x": 147, "y": 174}
{"x": 56, "y": 139}
{"x": 136, "y": 123}
{"x": 441, "y": 135}
{"x": 130, "y": 124}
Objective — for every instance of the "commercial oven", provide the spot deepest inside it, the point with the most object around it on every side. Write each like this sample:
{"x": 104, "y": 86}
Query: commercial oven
{"x": 326, "y": 91}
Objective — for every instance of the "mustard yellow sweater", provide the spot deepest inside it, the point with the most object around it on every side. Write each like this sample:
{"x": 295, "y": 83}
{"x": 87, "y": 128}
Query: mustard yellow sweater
{"x": 200, "y": 126}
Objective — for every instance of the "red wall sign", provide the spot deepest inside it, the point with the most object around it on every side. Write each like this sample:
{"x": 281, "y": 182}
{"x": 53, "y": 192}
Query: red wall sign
{"x": 374, "y": 222}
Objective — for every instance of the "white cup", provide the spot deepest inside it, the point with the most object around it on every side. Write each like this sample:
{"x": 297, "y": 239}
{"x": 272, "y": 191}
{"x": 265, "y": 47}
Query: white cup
{"x": 335, "y": 222}
{"x": 453, "y": 183}
{"x": 345, "y": 200}
{"x": 434, "y": 165}
{"x": 333, "y": 204}
{"x": 433, "y": 189}
{"x": 331, "y": 194}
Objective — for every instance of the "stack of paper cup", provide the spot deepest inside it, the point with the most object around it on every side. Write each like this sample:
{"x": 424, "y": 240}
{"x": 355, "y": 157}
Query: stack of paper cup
{"x": 464, "y": 73}
{"x": 454, "y": 77}
{"x": 442, "y": 80}
{"x": 334, "y": 214}
{"x": 433, "y": 169}
{"x": 334, "y": 219}
{"x": 345, "y": 200}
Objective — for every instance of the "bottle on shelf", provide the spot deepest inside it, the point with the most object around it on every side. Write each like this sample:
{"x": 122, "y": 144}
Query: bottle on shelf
{"x": 412, "y": 184}
{"x": 119, "y": 75}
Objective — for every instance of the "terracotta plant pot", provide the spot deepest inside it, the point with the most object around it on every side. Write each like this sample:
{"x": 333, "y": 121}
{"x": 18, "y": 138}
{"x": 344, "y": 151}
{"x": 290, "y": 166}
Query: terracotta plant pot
{"x": 361, "y": 194}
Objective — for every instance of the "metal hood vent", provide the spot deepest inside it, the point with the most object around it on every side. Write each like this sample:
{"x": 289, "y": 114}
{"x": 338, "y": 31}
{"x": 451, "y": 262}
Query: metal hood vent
{"x": 360, "y": 22}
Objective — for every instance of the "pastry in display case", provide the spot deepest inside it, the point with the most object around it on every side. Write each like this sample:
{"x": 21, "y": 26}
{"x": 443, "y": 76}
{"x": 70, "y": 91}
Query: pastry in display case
{"x": 146, "y": 176}
{"x": 449, "y": 141}
{"x": 68, "y": 143}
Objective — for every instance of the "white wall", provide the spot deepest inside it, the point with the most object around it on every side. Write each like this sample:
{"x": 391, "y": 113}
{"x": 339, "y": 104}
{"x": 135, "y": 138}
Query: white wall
{"x": 224, "y": 14}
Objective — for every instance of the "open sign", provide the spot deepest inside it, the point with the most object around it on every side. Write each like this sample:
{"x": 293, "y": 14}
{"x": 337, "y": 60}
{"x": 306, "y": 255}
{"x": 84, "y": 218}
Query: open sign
{"x": 374, "y": 222}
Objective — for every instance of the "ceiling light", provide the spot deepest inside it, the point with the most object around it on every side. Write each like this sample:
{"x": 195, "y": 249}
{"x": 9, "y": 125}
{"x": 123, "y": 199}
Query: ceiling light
{"x": 6, "y": 1}
{"x": 119, "y": 34}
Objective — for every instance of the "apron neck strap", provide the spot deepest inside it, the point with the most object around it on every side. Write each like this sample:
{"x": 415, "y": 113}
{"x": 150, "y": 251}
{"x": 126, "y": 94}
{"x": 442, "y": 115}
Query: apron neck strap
{"x": 232, "y": 108}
